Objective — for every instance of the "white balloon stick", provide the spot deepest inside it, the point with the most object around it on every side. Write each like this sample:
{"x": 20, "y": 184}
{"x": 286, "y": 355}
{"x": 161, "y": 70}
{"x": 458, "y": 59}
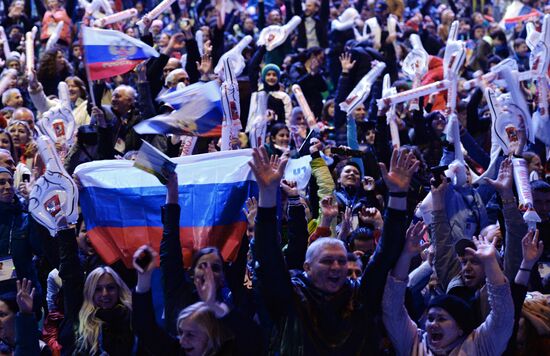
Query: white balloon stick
{"x": 5, "y": 43}
{"x": 308, "y": 114}
{"x": 388, "y": 90}
{"x": 114, "y": 18}
{"x": 159, "y": 9}
{"x": 29, "y": 51}
{"x": 54, "y": 37}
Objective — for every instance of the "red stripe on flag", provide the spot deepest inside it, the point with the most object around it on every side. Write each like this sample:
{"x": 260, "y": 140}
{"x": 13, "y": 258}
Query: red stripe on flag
{"x": 119, "y": 243}
{"x": 111, "y": 69}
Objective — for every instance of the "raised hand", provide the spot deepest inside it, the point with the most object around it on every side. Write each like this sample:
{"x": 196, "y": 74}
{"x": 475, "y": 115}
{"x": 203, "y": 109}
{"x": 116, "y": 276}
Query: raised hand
{"x": 402, "y": 167}
{"x": 414, "y": 244}
{"x": 25, "y": 295}
{"x": 438, "y": 193}
{"x": 290, "y": 188}
{"x": 144, "y": 259}
{"x": 329, "y": 207}
{"x": 346, "y": 62}
{"x": 207, "y": 47}
{"x": 505, "y": 180}
{"x": 368, "y": 183}
{"x": 268, "y": 171}
{"x": 345, "y": 225}
{"x": 251, "y": 211}
{"x": 205, "y": 65}
{"x": 371, "y": 216}
{"x": 532, "y": 249}
{"x": 485, "y": 251}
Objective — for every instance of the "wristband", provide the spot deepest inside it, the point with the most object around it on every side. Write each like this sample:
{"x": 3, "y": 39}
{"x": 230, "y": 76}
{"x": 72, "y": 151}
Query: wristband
{"x": 525, "y": 269}
{"x": 398, "y": 194}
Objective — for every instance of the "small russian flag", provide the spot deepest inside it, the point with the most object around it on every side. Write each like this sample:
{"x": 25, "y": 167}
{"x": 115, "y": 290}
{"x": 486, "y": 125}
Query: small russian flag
{"x": 109, "y": 53}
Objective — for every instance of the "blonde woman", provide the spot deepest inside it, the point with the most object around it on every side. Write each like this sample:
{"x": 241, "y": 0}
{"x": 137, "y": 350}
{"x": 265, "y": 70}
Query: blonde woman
{"x": 97, "y": 320}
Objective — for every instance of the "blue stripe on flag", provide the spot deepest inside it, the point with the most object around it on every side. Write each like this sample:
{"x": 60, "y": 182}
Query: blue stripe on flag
{"x": 201, "y": 204}
{"x": 106, "y": 53}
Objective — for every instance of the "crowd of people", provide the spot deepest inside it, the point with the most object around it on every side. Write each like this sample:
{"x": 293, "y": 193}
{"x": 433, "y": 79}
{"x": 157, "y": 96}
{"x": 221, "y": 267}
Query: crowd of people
{"x": 350, "y": 264}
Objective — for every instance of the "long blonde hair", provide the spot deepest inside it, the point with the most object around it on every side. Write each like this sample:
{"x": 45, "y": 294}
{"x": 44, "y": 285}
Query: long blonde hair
{"x": 89, "y": 325}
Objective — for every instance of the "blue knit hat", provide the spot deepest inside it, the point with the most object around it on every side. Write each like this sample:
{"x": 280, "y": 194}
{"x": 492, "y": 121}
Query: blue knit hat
{"x": 269, "y": 67}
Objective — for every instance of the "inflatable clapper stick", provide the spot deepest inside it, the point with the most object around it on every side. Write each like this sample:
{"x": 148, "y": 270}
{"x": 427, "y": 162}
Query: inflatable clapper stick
{"x": 231, "y": 107}
{"x": 235, "y": 58}
{"x": 533, "y": 36}
{"x": 454, "y": 57}
{"x": 302, "y": 102}
{"x": 54, "y": 195}
{"x": 415, "y": 65}
{"x": 54, "y": 37}
{"x": 388, "y": 90}
{"x": 63, "y": 94}
{"x": 159, "y": 9}
{"x": 362, "y": 90}
{"x": 539, "y": 62}
{"x": 392, "y": 30}
{"x": 273, "y": 36}
{"x": 5, "y": 43}
{"x": 116, "y": 17}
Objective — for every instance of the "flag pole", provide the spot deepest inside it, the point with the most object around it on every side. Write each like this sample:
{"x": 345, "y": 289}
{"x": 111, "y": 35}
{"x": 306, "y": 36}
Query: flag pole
{"x": 90, "y": 85}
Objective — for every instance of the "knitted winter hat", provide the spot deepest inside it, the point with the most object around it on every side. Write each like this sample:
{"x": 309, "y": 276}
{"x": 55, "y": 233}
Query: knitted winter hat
{"x": 458, "y": 308}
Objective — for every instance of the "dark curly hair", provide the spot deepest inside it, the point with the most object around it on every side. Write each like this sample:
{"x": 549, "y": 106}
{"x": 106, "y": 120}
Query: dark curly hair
{"x": 47, "y": 67}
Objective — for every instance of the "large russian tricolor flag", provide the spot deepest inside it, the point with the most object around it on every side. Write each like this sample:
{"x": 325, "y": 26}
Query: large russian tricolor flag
{"x": 122, "y": 204}
{"x": 109, "y": 53}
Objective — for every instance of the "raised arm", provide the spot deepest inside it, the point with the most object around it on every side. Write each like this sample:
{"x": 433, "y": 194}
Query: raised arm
{"x": 515, "y": 226}
{"x": 151, "y": 336}
{"x": 26, "y": 328}
{"x": 492, "y": 335}
{"x": 446, "y": 263}
{"x": 177, "y": 288}
{"x": 401, "y": 329}
{"x": 273, "y": 277}
{"x": 402, "y": 168}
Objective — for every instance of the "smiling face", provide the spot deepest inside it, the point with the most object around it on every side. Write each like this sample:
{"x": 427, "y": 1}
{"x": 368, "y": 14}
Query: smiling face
{"x": 349, "y": 177}
{"x": 106, "y": 294}
{"x": 193, "y": 340}
{"x": 442, "y": 329}
{"x": 282, "y": 138}
{"x": 329, "y": 269}
{"x": 271, "y": 78}
{"x": 74, "y": 90}
{"x": 473, "y": 273}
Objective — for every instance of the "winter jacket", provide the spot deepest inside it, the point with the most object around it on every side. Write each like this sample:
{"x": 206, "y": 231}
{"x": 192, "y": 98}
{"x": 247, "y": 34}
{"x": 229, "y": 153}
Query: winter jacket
{"x": 311, "y": 322}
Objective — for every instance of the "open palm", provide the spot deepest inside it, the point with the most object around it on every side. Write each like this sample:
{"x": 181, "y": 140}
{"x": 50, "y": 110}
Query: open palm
{"x": 268, "y": 171}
